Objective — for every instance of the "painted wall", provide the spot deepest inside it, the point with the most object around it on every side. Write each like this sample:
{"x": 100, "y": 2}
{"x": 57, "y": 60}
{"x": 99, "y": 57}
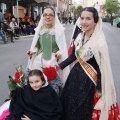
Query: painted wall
{"x": 21, "y": 11}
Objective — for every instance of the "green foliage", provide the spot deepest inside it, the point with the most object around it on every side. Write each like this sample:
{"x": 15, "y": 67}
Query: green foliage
{"x": 77, "y": 11}
{"x": 79, "y": 8}
{"x": 11, "y": 83}
{"x": 18, "y": 80}
{"x": 111, "y": 7}
{"x": 74, "y": 10}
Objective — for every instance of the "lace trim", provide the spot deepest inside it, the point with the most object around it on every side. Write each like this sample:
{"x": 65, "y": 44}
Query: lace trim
{"x": 86, "y": 53}
{"x": 49, "y": 31}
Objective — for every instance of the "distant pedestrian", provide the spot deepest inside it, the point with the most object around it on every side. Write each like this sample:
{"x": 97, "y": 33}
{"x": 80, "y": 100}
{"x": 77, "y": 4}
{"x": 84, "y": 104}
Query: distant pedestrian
{"x": 70, "y": 19}
{"x": 3, "y": 36}
{"x": 111, "y": 22}
{"x": 7, "y": 15}
{"x": 1, "y": 22}
{"x": 1, "y": 16}
{"x": 14, "y": 27}
{"x": 7, "y": 29}
{"x": 74, "y": 21}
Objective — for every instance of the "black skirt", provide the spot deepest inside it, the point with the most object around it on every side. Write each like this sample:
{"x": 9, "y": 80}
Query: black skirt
{"x": 78, "y": 95}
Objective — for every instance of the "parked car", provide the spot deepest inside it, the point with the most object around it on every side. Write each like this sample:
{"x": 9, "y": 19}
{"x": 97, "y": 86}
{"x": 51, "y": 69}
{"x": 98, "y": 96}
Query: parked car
{"x": 116, "y": 22}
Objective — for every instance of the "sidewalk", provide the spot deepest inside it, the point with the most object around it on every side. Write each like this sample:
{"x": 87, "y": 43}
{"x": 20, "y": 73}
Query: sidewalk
{"x": 27, "y": 36}
{"x": 20, "y": 38}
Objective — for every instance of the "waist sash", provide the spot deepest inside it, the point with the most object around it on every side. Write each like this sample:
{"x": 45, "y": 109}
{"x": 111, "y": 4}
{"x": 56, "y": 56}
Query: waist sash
{"x": 90, "y": 71}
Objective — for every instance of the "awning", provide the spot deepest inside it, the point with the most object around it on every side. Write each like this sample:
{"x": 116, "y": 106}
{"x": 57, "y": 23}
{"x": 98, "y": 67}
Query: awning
{"x": 21, "y": 2}
{"x": 28, "y": 2}
{"x": 51, "y": 2}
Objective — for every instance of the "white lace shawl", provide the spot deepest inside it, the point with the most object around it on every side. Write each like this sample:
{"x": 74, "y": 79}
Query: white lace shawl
{"x": 87, "y": 52}
{"x": 51, "y": 31}
{"x": 61, "y": 42}
{"x": 99, "y": 49}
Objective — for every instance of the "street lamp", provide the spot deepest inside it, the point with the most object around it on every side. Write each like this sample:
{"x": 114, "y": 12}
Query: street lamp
{"x": 70, "y": 7}
{"x": 17, "y": 13}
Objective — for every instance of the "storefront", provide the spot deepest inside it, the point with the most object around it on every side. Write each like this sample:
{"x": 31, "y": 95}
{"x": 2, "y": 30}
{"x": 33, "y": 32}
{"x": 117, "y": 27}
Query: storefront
{"x": 19, "y": 8}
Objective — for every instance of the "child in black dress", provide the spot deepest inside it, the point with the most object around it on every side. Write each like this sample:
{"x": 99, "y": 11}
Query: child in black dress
{"x": 35, "y": 101}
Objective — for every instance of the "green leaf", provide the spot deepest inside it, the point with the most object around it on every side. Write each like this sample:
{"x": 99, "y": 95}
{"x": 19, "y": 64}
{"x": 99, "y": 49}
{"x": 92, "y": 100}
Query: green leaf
{"x": 11, "y": 85}
{"x": 42, "y": 68}
{"x": 12, "y": 80}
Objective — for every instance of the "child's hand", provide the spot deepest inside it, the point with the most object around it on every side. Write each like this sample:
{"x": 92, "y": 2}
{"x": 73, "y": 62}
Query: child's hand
{"x": 25, "y": 118}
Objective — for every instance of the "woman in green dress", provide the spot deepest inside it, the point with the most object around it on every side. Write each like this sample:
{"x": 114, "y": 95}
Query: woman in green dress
{"x": 49, "y": 47}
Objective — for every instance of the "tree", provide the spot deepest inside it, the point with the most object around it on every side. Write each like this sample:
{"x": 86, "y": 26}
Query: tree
{"x": 74, "y": 10}
{"x": 111, "y": 7}
{"x": 79, "y": 9}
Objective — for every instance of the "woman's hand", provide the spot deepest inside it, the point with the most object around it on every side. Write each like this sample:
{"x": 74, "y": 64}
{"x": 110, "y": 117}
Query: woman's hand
{"x": 58, "y": 56}
{"x": 98, "y": 94}
{"x": 25, "y": 118}
{"x": 30, "y": 53}
{"x": 57, "y": 67}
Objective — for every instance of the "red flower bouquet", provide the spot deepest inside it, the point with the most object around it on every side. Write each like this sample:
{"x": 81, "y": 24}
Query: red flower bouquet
{"x": 17, "y": 80}
{"x": 50, "y": 73}
{"x": 17, "y": 76}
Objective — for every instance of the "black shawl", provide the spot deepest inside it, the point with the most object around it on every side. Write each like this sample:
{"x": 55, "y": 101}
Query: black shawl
{"x": 43, "y": 104}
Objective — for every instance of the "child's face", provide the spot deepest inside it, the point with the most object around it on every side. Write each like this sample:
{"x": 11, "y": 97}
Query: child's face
{"x": 35, "y": 82}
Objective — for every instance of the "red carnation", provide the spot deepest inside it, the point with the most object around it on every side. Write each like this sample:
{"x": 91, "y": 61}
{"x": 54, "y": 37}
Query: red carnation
{"x": 50, "y": 73}
{"x": 17, "y": 76}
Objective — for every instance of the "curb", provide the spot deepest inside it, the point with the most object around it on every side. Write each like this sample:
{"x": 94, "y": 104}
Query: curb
{"x": 22, "y": 37}
{"x": 27, "y": 36}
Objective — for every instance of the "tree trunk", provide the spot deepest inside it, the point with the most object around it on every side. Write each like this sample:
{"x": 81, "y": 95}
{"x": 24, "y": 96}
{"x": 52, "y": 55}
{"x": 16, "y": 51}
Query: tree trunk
{"x": 111, "y": 19}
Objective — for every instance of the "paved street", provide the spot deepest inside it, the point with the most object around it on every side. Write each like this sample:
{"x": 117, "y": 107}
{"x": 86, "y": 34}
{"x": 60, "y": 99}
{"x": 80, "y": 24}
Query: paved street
{"x": 113, "y": 39}
{"x": 15, "y": 54}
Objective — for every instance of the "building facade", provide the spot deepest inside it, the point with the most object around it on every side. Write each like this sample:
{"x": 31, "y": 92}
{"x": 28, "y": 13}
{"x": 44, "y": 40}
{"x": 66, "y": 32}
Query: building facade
{"x": 63, "y": 8}
{"x": 95, "y": 3}
{"x": 33, "y": 8}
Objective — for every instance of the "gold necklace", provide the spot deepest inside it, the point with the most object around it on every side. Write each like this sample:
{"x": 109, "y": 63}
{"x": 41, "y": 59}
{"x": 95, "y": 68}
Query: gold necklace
{"x": 48, "y": 27}
{"x": 81, "y": 49}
